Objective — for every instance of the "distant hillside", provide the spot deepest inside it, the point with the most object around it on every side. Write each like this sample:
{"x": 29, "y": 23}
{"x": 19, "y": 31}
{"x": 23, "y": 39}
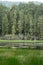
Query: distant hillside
{"x": 9, "y": 4}
{"x": 37, "y": 3}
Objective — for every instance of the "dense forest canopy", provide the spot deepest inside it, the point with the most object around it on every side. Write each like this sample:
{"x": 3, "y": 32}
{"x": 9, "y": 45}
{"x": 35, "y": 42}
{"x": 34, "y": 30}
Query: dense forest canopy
{"x": 24, "y": 19}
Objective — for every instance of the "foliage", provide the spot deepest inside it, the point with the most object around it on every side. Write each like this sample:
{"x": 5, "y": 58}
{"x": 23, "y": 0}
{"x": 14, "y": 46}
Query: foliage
{"x": 25, "y": 19}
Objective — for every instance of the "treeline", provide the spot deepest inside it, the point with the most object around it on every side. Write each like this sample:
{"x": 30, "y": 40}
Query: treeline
{"x": 24, "y": 19}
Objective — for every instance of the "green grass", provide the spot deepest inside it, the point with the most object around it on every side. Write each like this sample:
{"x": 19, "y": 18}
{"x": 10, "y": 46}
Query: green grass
{"x": 21, "y": 57}
{"x": 22, "y": 41}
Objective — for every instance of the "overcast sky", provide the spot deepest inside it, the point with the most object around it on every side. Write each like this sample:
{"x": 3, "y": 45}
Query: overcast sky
{"x": 22, "y": 0}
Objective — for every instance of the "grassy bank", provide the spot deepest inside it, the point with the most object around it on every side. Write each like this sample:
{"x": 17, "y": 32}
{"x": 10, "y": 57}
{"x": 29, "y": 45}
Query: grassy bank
{"x": 20, "y": 57}
{"x": 25, "y": 41}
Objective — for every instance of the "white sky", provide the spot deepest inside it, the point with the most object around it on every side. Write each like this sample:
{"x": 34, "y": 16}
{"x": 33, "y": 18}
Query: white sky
{"x": 22, "y": 0}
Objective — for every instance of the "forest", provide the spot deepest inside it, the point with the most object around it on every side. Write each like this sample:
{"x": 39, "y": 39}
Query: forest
{"x": 22, "y": 21}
